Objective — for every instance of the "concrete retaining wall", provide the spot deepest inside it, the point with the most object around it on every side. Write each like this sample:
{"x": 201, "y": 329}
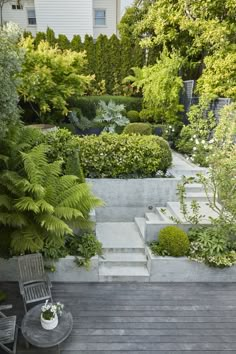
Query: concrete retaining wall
{"x": 181, "y": 269}
{"x": 128, "y": 198}
{"x": 66, "y": 270}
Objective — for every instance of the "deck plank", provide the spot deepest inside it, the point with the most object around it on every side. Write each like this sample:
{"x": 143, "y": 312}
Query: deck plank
{"x": 136, "y": 318}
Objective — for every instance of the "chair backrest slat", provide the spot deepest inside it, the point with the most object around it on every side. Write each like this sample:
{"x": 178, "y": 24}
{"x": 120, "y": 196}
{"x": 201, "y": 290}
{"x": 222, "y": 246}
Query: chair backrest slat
{"x": 31, "y": 267}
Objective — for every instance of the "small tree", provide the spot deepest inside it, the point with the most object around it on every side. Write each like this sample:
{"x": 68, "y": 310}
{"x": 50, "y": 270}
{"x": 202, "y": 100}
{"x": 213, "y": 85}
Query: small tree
{"x": 63, "y": 42}
{"x": 49, "y": 77}
{"x": 76, "y": 43}
{"x": 2, "y": 3}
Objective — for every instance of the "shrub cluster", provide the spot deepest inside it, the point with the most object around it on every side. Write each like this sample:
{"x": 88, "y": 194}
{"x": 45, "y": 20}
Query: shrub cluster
{"x": 138, "y": 128}
{"x": 88, "y": 104}
{"x": 112, "y": 155}
{"x": 133, "y": 116}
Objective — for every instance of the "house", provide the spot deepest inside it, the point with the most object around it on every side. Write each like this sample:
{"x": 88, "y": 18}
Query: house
{"x": 67, "y": 17}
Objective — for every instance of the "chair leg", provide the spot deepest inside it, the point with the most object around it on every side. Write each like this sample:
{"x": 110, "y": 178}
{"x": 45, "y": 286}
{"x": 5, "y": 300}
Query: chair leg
{"x": 15, "y": 342}
{"x": 25, "y": 307}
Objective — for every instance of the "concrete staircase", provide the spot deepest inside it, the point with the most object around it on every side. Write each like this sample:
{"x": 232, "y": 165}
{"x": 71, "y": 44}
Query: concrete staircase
{"x": 124, "y": 256}
{"x": 153, "y": 222}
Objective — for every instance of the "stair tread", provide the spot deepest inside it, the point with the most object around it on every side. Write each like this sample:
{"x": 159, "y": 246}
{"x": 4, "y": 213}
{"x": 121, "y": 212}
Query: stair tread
{"x": 153, "y": 217}
{"x": 165, "y": 216}
{"x": 123, "y": 271}
{"x": 126, "y": 257}
{"x": 204, "y": 210}
{"x": 119, "y": 235}
{"x": 141, "y": 225}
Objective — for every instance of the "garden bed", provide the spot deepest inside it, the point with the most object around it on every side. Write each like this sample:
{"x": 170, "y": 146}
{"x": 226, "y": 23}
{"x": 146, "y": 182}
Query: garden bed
{"x": 181, "y": 269}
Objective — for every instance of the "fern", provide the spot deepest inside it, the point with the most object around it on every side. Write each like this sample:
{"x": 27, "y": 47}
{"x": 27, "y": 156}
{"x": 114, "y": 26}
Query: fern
{"x": 38, "y": 205}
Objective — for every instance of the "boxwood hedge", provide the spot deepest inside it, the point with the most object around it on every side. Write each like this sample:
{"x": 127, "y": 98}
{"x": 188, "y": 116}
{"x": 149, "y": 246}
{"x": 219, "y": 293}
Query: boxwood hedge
{"x": 113, "y": 155}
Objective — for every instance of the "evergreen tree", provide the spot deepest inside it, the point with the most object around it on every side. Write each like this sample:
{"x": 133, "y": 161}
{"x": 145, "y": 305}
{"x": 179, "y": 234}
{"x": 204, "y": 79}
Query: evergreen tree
{"x": 138, "y": 58}
{"x": 126, "y": 55}
{"x": 50, "y": 37}
{"x": 40, "y": 36}
{"x": 89, "y": 47}
{"x": 76, "y": 43}
{"x": 102, "y": 59}
{"x": 114, "y": 57}
{"x": 63, "y": 42}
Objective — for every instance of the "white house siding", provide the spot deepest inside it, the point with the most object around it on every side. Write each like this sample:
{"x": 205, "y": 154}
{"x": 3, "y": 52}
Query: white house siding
{"x": 19, "y": 16}
{"x": 67, "y": 17}
{"x": 112, "y": 17}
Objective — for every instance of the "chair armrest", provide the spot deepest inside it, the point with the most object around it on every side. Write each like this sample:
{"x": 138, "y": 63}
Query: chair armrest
{"x": 4, "y": 307}
{"x": 21, "y": 286}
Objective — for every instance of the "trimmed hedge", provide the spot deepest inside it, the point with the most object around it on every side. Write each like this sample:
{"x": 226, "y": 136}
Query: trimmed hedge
{"x": 89, "y": 104}
{"x": 138, "y": 128}
{"x": 133, "y": 116}
{"x": 174, "y": 241}
{"x": 113, "y": 155}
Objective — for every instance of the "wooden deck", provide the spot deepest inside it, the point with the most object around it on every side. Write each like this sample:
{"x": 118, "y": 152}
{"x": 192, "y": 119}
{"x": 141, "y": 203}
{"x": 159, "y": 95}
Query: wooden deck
{"x": 143, "y": 318}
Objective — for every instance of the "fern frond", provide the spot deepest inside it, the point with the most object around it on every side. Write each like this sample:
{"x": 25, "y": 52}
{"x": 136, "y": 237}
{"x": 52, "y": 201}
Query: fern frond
{"x": 34, "y": 161}
{"x": 26, "y": 240}
{"x": 53, "y": 224}
{"x": 68, "y": 213}
{"x": 13, "y": 219}
{"x": 5, "y": 201}
{"x": 27, "y": 203}
{"x": 44, "y": 206}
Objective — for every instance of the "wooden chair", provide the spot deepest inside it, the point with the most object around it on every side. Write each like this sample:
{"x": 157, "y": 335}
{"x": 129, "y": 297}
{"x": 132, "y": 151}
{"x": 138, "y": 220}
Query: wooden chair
{"x": 34, "y": 283}
{"x": 8, "y": 331}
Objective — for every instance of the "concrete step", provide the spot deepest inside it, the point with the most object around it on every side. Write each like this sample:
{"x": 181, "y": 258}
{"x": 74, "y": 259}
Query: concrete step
{"x": 123, "y": 259}
{"x": 141, "y": 226}
{"x": 204, "y": 210}
{"x": 124, "y": 250}
{"x": 118, "y": 235}
{"x": 166, "y": 216}
{"x": 194, "y": 187}
{"x": 123, "y": 273}
{"x": 153, "y": 217}
{"x": 198, "y": 196}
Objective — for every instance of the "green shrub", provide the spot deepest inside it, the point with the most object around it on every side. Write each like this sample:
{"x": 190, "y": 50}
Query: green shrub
{"x": 147, "y": 115}
{"x": 138, "y": 128}
{"x": 3, "y": 296}
{"x": 113, "y": 155}
{"x": 174, "y": 240}
{"x": 133, "y": 116}
{"x": 89, "y": 104}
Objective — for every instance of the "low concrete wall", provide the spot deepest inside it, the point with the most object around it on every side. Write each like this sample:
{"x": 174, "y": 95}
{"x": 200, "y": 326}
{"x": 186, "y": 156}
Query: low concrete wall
{"x": 128, "y": 198}
{"x": 66, "y": 270}
{"x": 181, "y": 269}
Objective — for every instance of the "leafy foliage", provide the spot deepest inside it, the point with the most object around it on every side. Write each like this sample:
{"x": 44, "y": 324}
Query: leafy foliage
{"x": 112, "y": 155}
{"x": 111, "y": 116}
{"x": 10, "y": 61}
{"x": 133, "y": 116}
{"x": 85, "y": 246}
{"x": 138, "y": 128}
{"x": 49, "y": 77}
{"x": 38, "y": 205}
{"x": 174, "y": 241}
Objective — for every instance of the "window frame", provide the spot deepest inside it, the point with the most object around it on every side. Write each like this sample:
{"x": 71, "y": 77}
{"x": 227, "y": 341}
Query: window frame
{"x": 94, "y": 17}
{"x": 28, "y": 18}
{"x": 16, "y": 6}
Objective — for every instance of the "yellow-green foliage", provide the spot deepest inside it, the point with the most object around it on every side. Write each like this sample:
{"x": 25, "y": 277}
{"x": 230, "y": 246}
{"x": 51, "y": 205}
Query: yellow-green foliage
{"x": 219, "y": 76}
{"x": 138, "y": 128}
{"x": 174, "y": 240}
{"x": 49, "y": 76}
{"x": 113, "y": 155}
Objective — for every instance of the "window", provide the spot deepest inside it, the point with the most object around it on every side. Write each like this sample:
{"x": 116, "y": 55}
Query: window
{"x": 100, "y": 17}
{"x": 31, "y": 16}
{"x": 17, "y": 7}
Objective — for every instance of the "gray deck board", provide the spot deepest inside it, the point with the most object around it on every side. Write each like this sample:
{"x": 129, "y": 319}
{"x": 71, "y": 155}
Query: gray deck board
{"x": 136, "y": 318}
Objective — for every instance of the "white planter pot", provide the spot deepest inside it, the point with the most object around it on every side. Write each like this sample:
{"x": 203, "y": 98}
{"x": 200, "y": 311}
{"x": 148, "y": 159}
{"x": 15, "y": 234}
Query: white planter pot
{"x": 49, "y": 324}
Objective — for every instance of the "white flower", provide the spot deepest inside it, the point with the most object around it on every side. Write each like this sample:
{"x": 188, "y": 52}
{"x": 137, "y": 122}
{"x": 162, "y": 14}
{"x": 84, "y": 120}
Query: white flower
{"x": 195, "y": 136}
{"x": 211, "y": 141}
{"x": 203, "y": 141}
{"x": 173, "y": 129}
{"x": 170, "y": 126}
{"x": 191, "y": 139}
{"x": 196, "y": 141}
{"x": 194, "y": 148}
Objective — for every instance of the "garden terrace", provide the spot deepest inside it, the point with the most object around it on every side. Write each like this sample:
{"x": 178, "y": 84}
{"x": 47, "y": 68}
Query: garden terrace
{"x": 135, "y": 318}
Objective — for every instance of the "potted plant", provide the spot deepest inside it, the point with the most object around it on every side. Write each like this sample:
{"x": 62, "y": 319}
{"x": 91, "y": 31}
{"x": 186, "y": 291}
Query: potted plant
{"x": 49, "y": 314}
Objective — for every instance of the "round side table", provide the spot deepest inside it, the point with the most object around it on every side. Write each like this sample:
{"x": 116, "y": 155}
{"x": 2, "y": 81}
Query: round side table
{"x": 36, "y": 335}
